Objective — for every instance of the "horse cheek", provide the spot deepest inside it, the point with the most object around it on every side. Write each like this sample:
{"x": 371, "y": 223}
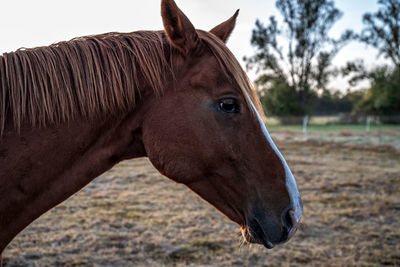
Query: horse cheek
{"x": 169, "y": 147}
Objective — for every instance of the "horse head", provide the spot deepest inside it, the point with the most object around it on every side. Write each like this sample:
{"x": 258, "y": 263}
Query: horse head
{"x": 207, "y": 131}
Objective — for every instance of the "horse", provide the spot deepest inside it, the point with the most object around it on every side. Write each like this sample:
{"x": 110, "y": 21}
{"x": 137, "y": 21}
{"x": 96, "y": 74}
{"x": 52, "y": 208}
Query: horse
{"x": 72, "y": 110}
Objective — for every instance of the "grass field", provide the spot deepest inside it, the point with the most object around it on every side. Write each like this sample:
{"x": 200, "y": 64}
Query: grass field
{"x": 132, "y": 216}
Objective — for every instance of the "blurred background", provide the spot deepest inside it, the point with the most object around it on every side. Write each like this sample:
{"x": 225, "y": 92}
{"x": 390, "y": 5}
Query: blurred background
{"x": 328, "y": 76}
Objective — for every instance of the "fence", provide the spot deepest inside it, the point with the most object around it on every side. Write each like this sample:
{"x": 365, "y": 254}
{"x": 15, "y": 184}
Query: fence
{"x": 343, "y": 118}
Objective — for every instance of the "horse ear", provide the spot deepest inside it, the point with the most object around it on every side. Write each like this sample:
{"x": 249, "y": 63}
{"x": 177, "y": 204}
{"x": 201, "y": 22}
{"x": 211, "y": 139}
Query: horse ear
{"x": 224, "y": 30}
{"x": 179, "y": 29}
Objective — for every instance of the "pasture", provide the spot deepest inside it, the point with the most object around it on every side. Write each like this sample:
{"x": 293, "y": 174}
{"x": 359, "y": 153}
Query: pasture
{"x": 131, "y": 215}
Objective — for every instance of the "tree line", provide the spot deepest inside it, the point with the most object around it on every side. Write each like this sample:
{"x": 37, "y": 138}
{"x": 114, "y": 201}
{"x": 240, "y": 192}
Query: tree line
{"x": 293, "y": 57}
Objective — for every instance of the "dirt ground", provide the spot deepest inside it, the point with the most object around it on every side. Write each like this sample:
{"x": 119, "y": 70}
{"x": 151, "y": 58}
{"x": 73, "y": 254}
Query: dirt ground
{"x": 132, "y": 216}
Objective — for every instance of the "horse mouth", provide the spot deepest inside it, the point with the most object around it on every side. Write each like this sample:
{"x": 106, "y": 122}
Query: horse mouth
{"x": 253, "y": 233}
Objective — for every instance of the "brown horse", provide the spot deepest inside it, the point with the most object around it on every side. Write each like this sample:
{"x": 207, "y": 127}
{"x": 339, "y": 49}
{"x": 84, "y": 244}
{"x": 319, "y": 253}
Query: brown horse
{"x": 72, "y": 110}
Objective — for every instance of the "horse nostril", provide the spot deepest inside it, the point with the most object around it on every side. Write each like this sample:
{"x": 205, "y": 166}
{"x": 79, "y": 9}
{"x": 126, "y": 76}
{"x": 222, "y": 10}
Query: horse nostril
{"x": 289, "y": 220}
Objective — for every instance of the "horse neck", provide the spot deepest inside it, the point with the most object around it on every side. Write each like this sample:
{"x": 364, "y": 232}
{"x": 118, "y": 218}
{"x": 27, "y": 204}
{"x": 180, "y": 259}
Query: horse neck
{"x": 41, "y": 167}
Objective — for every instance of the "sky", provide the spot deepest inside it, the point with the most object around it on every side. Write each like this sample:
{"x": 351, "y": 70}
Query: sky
{"x": 27, "y": 23}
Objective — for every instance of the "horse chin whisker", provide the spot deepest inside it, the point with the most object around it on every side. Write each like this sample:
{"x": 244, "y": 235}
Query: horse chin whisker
{"x": 242, "y": 241}
{"x": 247, "y": 235}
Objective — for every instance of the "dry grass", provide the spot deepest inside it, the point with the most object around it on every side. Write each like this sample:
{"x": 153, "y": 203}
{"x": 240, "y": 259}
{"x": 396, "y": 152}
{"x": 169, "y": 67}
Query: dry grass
{"x": 133, "y": 216}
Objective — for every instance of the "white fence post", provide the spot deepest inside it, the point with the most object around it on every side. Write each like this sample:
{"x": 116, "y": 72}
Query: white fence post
{"x": 378, "y": 121}
{"x": 305, "y": 121}
{"x": 367, "y": 128}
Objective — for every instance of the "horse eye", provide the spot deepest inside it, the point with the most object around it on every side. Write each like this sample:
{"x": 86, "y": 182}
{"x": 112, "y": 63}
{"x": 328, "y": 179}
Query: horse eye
{"x": 229, "y": 105}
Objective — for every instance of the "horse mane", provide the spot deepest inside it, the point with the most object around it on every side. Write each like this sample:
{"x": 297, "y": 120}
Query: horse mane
{"x": 84, "y": 76}
{"x": 92, "y": 75}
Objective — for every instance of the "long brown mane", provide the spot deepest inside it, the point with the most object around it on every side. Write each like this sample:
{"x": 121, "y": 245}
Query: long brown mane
{"x": 83, "y": 77}
{"x": 91, "y": 75}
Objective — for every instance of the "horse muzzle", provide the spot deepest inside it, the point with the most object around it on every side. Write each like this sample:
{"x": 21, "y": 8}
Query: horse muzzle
{"x": 268, "y": 232}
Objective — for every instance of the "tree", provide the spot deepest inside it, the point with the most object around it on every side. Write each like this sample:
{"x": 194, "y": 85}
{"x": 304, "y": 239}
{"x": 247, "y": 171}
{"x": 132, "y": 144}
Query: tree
{"x": 303, "y": 64}
{"x": 280, "y": 100}
{"x": 332, "y": 103}
{"x": 383, "y": 98}
{"x": 382, "y": 30}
